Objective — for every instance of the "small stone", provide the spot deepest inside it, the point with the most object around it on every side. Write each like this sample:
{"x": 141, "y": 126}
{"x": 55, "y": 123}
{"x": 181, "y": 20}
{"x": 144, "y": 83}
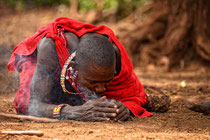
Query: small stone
{"x": 183, "y": 84}
{"x": 90, "y": 132}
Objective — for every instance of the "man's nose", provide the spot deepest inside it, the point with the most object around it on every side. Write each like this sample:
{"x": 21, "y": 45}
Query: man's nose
{"x": 100, "y": 88}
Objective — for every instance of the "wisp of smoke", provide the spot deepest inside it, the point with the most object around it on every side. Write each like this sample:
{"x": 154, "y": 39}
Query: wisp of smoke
{"x": 90, "y": 95}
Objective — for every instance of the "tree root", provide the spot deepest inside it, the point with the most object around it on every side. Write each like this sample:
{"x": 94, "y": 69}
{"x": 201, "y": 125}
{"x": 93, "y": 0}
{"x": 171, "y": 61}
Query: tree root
{"x": 174, "y": 29}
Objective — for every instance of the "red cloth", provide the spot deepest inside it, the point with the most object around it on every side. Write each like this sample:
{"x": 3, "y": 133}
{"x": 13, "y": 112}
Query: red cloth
{"x": 125, "y": 87}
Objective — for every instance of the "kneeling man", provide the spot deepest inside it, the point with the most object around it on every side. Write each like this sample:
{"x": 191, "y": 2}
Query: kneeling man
{"x": 77, "y": 71}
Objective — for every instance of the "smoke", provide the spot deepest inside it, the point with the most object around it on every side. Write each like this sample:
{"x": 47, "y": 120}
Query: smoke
{"x": 88, "y": 94}
{"x": 91, "y": 95}
{"x": 37, "y": 99}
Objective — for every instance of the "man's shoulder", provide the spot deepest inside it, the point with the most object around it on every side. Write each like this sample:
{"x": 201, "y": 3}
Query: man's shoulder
{"x": 46, "y": 44}
{"x": 47, "y": 54}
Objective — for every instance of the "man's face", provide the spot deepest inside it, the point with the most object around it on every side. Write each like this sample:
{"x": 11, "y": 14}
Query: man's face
{"x": 96, "y": 78}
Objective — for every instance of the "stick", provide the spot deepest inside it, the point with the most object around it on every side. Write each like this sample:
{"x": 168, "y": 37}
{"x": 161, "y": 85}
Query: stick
{"x": 198, "y": 108}
{"x": 25, "y": 117}
{"x": 29, "y": 132}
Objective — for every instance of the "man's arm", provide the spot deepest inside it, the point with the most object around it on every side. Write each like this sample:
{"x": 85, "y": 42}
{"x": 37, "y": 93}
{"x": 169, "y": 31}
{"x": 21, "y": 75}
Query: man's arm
{"x": 42, "y": 86}
{"x": 42, "y": 81}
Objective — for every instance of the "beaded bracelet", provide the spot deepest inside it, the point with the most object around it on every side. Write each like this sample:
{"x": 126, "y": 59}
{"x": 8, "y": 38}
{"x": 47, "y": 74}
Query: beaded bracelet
{"x": 57, "y": 111}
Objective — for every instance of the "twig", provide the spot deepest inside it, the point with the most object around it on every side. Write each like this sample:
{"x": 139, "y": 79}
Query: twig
{"x": 25, "y": 117}
{"x": 28, "y": 132}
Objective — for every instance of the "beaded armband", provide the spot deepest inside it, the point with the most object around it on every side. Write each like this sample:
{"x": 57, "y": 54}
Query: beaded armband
{"x": 57, "y": 111}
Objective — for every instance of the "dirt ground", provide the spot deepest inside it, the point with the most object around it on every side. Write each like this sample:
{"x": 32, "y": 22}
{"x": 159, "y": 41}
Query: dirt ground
{"x": 178, "y": 123}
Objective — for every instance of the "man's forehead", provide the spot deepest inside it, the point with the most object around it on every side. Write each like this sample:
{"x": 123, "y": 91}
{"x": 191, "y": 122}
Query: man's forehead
{"x": 90, "y": 66}
{"x": 93, "y": 73}
{"x": 100, "y": 80}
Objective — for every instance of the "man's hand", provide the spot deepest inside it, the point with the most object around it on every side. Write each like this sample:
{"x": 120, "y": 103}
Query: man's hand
{"x": 96, "y": 110}
{"x": 123, "y": 113}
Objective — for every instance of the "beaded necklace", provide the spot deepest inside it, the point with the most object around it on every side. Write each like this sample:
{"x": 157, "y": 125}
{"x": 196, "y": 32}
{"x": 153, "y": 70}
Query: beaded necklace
{"x": 73, "y": 74}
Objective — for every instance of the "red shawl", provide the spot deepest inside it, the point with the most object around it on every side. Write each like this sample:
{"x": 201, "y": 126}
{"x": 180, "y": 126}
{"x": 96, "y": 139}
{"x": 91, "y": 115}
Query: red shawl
{"x": 125, "y": 87}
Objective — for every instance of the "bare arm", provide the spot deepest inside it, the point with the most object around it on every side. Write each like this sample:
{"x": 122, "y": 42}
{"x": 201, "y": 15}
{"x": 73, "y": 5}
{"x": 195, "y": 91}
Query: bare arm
{"x": 42, "y": 81}
{"x": 42, "y": 86}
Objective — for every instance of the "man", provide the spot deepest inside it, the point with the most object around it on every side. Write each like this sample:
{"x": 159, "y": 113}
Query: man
{"x": 77, "y": 71}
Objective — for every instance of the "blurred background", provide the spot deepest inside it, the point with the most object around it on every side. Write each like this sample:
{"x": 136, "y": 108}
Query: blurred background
{"x": 168, "y": 42}
{"x": 159, "y": 35}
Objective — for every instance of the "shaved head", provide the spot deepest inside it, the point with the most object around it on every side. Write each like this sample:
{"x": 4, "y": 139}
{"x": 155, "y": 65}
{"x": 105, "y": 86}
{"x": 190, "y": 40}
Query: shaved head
{"x": 95, "y": 49}
{"x": 96, "y": 61}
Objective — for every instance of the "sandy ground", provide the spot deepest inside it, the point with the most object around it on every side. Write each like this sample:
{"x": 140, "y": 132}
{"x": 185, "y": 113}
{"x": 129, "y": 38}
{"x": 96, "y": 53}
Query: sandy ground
{"x": 177, "y": 123}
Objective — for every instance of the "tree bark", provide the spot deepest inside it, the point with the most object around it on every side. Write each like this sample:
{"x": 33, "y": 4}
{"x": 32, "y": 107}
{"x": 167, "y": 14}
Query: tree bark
{"x": 176, "y": 30}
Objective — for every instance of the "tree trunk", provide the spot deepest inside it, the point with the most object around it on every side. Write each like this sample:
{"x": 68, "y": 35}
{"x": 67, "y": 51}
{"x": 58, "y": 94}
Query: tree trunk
{"x": 175, "y": 31}
{"x": 74, "y": 8}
